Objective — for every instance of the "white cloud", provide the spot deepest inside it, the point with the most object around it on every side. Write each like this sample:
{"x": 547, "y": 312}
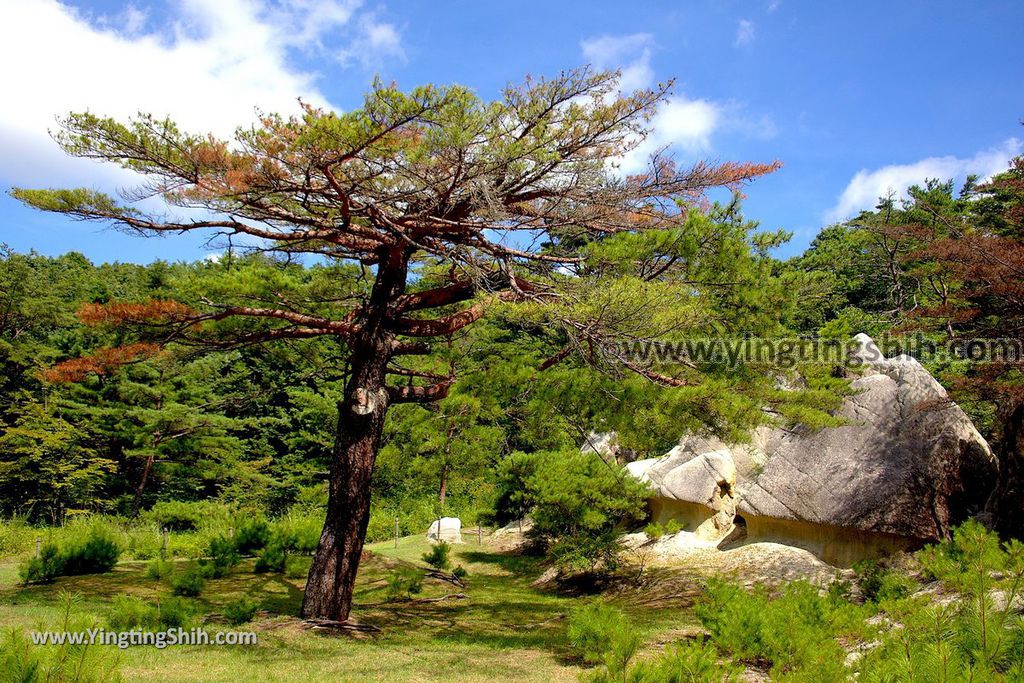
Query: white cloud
{"x": 680, "y": 123}
{"x": 866, "y": 187}
{"x": 375, "y": 42}
{"x": 209, "y": 69}
{"x": 745, "y": 32}
{"x": 631, "y": 54}
{"x": 309, "y": 21}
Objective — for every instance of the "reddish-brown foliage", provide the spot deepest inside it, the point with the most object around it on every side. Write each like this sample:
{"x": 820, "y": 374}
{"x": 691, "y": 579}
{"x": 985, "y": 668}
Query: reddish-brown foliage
{"x": 102, "y": 362}
{"x": 991, "y": 270}
{"x": 117, "y": 313}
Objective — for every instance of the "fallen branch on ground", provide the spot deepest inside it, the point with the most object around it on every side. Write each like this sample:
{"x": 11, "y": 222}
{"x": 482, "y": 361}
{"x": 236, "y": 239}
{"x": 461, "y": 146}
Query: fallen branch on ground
{"x": 346, "y": 626}
{"x": 445, "y": 576}
{"x": 449, "y": 596}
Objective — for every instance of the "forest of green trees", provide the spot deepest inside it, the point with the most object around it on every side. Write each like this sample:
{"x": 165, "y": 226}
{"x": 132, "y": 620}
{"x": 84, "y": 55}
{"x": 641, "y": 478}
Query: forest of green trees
{"x": 252, "y": 426}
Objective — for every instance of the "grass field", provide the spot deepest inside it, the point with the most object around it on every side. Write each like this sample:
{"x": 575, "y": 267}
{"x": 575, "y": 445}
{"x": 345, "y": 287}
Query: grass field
{"x": 504, "y": 630}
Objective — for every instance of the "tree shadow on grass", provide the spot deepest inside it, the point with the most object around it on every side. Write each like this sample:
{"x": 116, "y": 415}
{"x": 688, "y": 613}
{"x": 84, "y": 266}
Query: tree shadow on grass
{"x": 126, "y": 579}
{"x": 501, "y": 612}
{"x": 504, "y": 624}
{"x": 513, "y": 563}
{"x": 275, "y": 593}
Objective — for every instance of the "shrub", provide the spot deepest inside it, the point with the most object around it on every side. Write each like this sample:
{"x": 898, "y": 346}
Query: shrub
{"x": 404, "y": 583}
{"x": 98, "y": 553}
{"x": 734, "y": 619}
{"x": 976, "y": 637}
{"x": 673, "y": 527}
{"x": 839, "y": 590}
{"x": 128, "y": 612}
{"x": 879, "y": 584}
{"x": 795, "y": 633}
{"x": 221, "y": 556}
{"x": 240, "y": 611}
{"x": 966, "y": 561}
{"x": 24, "y": 662}
{"x": 159, "y": 570}
{"x": 579, "y": 505}
{"x": 594, "y": 630}
{"x": 178, "y": 515}
{"x": 190, "y": 583}
{"x": 460, "y": 572}
{"x": 439, "y": 556}
{"x": 587, "y": 552}
{"x": 45, "y": 568}
{"x": 692, "y": 662}
{"x": 252, "y": 535}
{"x": 654, "y": 531}
{"x": 623, "y": 648}
{"x": 513, "y": 498}
{"x": 174, "y": 613}
{"x": 297, "y": 567}
{"x": 299, "y": 532}
{"x": 601, "y": 633}
{"x": 272, "y": 558}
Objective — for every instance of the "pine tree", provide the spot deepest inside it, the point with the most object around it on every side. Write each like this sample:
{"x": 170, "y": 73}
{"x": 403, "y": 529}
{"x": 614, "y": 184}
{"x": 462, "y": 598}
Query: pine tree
{"x": 485, "y": 202}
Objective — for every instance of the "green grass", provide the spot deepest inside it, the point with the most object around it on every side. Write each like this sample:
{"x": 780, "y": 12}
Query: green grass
{"x": 504, "y": 630}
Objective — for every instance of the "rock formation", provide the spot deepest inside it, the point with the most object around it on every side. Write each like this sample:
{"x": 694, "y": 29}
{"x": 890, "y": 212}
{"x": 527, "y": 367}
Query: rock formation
{"x": 906, "y": 467}
{"x": 447, "y": 529}
{"x": 707, "y": 478}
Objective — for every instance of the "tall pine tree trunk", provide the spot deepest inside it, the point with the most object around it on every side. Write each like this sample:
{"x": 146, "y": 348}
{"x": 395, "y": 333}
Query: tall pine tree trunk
{"x": 443, "y": 491}
{"x": 147, "y": 468}
{"x": 141, "y": 488}
{"x": 332, "y": 576}
{"x": 1009, "y": 513}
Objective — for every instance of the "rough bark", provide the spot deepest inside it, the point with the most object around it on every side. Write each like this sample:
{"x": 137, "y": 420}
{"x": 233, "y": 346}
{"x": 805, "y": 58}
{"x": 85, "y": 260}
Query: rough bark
{"x": 332, "y": 576}
{"x": 1006, "y": 503}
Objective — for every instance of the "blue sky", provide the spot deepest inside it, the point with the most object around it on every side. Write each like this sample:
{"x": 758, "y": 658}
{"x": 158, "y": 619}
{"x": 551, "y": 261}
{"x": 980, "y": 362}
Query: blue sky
{"x": 853, "y": 98}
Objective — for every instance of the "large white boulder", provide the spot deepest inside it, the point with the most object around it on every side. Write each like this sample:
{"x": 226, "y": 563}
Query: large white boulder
{"x": 447, "y": 529}
{"x": 908, "y": 461}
